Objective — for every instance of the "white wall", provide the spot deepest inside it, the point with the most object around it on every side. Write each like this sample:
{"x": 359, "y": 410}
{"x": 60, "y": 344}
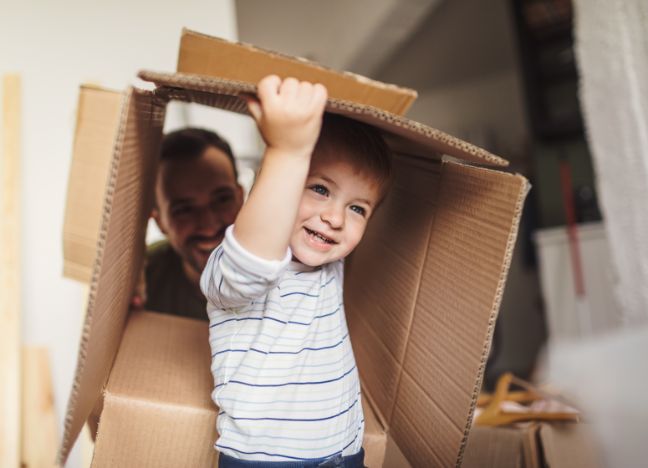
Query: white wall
{"x": 487, "y": 111}
{"x": 54, "y": 46}
{"x": 330, "y": 32}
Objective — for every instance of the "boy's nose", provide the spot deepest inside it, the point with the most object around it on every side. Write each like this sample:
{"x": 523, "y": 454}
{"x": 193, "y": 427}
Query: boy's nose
{"x": 334, "y": 216}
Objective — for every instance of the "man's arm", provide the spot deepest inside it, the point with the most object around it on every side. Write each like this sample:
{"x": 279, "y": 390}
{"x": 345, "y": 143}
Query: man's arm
{"x": 289, "y": 116}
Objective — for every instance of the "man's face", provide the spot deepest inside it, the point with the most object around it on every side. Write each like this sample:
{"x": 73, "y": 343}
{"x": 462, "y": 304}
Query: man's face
{"x": 197, "y": 198}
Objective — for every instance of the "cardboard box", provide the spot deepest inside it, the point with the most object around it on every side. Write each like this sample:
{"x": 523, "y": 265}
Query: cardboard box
{"x": 533, "y": 445}
{"x": 422, "y": 291}
{"x": 160, "y": 380}
{"x": 500, "y": 447}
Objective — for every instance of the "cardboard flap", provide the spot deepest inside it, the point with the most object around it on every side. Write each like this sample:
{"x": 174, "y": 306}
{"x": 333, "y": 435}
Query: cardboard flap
{"x": 127, "y": 205}
{"x": 460, "y": 292}
{"x": 136, "y": 433}
{"x": 164, "y": 359}
{"x": 403, "y": 135}
{"x": 211, "y": 56}
{"x": 435, "y": 288}
{"x": 157, "y": 400}
{"x": 98, "y": 116}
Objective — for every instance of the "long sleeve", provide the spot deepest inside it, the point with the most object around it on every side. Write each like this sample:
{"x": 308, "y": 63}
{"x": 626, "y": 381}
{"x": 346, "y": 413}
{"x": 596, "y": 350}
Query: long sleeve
{"x": 235, "y": 277}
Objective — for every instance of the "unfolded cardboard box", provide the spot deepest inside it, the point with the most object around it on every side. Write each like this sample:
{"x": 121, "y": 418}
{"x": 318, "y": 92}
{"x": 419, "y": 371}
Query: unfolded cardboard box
{"x": 422, "y": 290}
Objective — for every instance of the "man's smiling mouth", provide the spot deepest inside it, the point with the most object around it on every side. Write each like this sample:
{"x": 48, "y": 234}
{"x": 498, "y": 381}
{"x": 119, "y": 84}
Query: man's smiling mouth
{"x": 207, "y": 244}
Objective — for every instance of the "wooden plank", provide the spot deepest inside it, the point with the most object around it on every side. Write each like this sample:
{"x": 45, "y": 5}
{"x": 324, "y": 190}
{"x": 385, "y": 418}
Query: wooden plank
{"x": 39, "y": 438}
{"x": 10, "y": 274}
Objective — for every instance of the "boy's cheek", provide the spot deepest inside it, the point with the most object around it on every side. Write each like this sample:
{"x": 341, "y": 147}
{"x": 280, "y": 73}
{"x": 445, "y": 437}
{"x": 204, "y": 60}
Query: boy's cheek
{"x": 357, "y": 239}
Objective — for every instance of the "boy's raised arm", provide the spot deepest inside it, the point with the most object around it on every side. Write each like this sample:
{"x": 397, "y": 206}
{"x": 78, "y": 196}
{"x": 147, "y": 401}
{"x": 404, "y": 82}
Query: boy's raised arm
{"x": 289, "y": 116}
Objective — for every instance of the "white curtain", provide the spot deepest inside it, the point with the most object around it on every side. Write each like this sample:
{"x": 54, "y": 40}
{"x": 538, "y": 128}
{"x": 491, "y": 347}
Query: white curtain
{"x": 611, "y": 44}
{"x": 607, "y": 375}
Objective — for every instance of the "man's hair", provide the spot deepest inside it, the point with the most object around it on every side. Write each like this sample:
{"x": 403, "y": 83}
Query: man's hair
{"x": 191, "y": 142}
{"x": 365, "y": 148}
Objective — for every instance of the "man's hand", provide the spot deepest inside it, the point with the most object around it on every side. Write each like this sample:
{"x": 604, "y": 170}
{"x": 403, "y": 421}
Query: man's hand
{"x": 138, "y": 299}
{"x": 289, "y": 114}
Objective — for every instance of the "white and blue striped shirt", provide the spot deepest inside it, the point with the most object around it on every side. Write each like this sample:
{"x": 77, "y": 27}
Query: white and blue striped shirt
{"x": 285, "y": 376}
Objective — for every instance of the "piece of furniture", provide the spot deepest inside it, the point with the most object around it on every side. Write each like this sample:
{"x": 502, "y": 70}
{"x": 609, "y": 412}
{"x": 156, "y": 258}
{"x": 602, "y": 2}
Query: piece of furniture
{"x": 568, "y": 315}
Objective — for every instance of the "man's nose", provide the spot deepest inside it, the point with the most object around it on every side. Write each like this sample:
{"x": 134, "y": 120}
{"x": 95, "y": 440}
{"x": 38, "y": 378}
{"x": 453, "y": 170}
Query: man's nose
{"x": 333, "y": 215}
{"x": 207, "y": 219}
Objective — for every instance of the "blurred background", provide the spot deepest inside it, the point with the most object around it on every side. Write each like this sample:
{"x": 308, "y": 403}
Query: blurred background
{"x": 507, "y": 75}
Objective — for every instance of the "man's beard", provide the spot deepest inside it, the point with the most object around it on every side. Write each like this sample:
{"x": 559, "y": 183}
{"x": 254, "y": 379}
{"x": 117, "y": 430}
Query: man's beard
{"x": 192, "y": 252}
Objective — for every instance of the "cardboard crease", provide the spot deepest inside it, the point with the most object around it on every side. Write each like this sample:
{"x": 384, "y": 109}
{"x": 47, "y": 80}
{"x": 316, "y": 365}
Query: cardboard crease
{"x": 415, "y": 300}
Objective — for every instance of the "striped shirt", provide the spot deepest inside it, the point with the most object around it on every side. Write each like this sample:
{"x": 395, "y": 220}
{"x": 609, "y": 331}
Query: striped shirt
{"x": 284, "y": 372}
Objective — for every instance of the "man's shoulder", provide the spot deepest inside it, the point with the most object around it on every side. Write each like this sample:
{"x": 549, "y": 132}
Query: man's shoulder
{"x": 161, "y": 259}
{"x": 159, "y": 250}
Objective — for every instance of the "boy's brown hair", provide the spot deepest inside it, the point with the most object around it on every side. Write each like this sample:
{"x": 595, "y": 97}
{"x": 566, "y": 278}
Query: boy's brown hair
{"x": 364, "y": 146}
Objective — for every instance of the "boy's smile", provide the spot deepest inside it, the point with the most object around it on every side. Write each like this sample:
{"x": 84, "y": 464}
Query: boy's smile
{"x": 337, "y": 203}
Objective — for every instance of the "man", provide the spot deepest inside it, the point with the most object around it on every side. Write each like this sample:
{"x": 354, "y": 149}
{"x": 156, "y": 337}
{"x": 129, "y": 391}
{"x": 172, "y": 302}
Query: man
{"x": 196, "y": 197}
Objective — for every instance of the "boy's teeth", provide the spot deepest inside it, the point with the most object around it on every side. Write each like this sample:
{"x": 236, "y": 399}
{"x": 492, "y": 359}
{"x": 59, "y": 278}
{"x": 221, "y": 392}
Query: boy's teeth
{"x": 319, "y": 236}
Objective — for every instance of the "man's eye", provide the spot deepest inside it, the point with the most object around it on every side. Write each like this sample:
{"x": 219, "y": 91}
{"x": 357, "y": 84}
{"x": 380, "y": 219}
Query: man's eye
{"x": 181, "y": 210}
{"x": 223, "y": 199}
{"x": 320, "y": 189}
{"x": 358, "y": 209}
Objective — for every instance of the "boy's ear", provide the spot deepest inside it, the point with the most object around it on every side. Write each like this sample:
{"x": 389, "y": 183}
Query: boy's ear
{"x": 155, "y": 214}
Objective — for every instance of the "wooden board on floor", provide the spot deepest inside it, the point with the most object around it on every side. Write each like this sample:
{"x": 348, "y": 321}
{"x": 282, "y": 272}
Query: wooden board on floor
{"x": 39, "y": 438}
{"x": 10, "y": 273}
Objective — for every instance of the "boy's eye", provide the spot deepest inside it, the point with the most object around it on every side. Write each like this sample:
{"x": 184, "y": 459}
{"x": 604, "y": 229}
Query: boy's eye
{"x": 320, "y": 189}
{"x": 358, "y": 209}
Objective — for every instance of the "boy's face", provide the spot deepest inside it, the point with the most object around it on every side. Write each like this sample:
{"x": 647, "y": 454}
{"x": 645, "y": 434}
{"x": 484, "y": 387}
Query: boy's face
{"x": 337, "y": 203}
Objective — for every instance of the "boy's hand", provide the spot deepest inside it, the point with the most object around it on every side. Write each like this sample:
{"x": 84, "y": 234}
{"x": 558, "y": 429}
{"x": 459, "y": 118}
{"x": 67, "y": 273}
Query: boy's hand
{"x": 289, "y": 113}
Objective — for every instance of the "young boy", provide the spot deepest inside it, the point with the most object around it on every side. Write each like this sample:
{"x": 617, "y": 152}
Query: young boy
{"x": 285, "y": 377}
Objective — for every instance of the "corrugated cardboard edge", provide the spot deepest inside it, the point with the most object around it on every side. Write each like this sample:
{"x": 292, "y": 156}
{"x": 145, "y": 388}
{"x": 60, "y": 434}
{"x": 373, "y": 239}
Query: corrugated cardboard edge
{"x": 411, "y": 94}
{"x": 510, "y": 246}
{"x": 179, "y": 86}
{"x": 68, "y": 437}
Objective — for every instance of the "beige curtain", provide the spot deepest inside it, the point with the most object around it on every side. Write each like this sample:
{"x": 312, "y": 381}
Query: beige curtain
{"x": 611, "y": 45}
